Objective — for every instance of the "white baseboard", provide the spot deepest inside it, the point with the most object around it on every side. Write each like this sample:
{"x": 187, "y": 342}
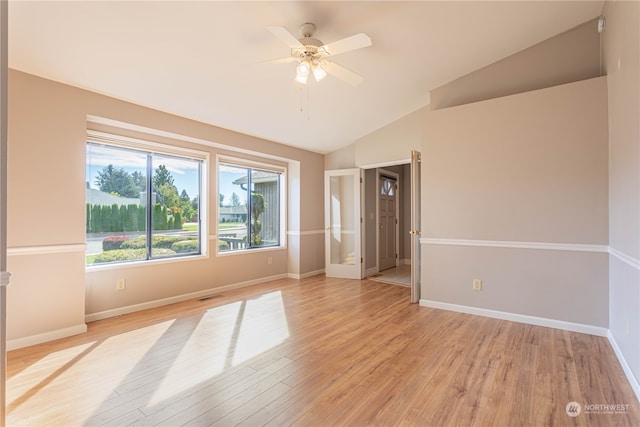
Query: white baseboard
{"x": 405, "y": 261}
{"x": 305, "y": 275}
{"x": 46, "y": 336}
{"x": 92, "y": 317}
{"x": 625, "y": 366}
{"x": 520, "y": 318}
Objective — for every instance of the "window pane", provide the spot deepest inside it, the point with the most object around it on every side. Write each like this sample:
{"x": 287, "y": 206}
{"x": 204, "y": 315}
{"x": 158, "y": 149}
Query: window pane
{"x": 249, "y": 208}
{"x": 115, "y": 205}
{"x": 122, "y": 219}
{"x": 232, "y": 210}
{"x": 265, "y": 208}
{"x": 174, "y": 217}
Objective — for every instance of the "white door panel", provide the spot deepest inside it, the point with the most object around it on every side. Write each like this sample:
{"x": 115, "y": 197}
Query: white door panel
{"x": 343, "y": 245}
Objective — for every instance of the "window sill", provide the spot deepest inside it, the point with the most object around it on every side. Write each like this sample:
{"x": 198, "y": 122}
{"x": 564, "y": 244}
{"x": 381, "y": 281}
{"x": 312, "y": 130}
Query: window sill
{"x": 251, "y": 250}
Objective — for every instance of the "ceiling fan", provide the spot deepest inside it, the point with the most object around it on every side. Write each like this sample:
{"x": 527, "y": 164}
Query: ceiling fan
{"x": 312, "y": 54}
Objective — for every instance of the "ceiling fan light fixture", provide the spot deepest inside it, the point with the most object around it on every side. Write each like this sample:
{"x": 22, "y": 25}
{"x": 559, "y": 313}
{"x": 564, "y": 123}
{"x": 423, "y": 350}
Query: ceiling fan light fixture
{"x": 318, "y": 72}
{"x": 302, "y": 72}
{"x": 301, "y": 79}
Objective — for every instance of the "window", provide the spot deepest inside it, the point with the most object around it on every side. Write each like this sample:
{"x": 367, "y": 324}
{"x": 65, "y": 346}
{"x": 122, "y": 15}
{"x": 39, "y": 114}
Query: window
{"x": 140, "y": 205}
{"x": 249, "y": 212}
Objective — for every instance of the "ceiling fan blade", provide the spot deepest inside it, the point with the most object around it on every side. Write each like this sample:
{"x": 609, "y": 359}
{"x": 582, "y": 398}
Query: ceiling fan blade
{"x": 354, "y": 42}
{"x": 286, "y": 37}
{"x": 280, "y": 61}
{"x": 342, "y": 73}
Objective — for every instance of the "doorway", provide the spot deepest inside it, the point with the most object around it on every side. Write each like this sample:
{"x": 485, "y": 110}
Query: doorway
{"x": 387, "y": 251}
{"x": 388, "y": 224}
{"x": 352, "y": 223}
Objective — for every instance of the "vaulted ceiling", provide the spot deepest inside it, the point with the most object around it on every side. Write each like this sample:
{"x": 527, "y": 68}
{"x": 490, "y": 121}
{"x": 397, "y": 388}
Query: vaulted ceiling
{"x": 206, "y": 60}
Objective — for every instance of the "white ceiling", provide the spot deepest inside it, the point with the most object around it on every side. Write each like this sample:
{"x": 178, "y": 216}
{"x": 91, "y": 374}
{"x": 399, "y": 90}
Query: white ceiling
{"x": 202, "y": 59}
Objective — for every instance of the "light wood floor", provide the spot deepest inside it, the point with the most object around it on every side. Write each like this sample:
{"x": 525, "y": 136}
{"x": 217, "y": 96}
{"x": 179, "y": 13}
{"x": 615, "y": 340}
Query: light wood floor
{"x": 316, "y": 352}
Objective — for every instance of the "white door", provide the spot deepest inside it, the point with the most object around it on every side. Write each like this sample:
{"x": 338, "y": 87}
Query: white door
{"x": 415, "y": 226}
{"x": 387, "y": 221}
{"x": 343, "y": 234}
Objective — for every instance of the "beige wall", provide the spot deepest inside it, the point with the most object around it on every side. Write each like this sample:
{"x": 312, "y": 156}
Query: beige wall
{"x": 621, "y": 42}
{"x": 520, "y": 169}
{"x": 571, "y": 56}
{"x": 345, "y": 158}
{"x": 47, "y": 134}
{"x": 389, "y": 145}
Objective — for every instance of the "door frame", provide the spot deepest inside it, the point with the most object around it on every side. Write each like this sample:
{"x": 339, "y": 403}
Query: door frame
{"x": 416, "y": 220}
{"x": 384, "y": 172}
{"x": 414, "y": 160}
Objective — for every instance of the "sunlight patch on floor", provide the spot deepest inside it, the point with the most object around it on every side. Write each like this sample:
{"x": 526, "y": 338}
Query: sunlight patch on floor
{"x": 209, "y": 360}
{"x": 264, "y": 326}
{"x": 260, "y": 324}
{"x": 32, "y": 377}
{"x": 70, "y": 373}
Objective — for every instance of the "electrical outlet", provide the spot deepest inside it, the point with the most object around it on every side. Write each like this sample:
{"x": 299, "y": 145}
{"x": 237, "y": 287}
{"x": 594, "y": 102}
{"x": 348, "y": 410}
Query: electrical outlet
{"x": 121, "y": 284}
{"x": 269, "y": 260}
{"x": 477, "y": 284}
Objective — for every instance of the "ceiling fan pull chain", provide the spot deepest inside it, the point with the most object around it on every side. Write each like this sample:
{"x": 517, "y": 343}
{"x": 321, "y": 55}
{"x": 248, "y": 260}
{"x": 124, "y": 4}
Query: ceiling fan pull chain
{"x": 301, "y": 99}
{"x": 308, "y": 113}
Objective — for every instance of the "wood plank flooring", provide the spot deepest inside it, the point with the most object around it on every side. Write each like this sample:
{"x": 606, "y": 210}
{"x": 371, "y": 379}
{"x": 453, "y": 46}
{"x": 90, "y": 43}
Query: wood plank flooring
{"x": 316, "y": 352}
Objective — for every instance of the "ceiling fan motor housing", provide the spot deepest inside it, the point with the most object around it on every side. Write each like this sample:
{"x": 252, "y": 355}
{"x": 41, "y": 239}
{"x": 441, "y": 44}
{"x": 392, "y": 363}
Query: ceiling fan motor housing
{"x": 310, "y": 50}
{"x": 310, "y": 44}
{"x": 307, "y": 29}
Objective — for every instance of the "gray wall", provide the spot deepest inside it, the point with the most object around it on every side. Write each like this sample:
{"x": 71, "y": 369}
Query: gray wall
{"x": 568, "y": 57}
{"x": 524, "y": 170}
{"x": 621, "y": 51}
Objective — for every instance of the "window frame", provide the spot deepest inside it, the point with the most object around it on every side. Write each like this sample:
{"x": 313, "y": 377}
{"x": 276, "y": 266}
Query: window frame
{"x": 151, "y": 148}
{"x": 222, "y": 159}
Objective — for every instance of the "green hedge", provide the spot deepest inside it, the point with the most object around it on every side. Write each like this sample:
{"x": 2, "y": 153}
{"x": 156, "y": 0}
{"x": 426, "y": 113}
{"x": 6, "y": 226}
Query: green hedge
{"x": 165, "y": 242}
{"x": 128, "y": 255}
{"x": 185, "y": 246}
{"x": 117, "y": 218}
